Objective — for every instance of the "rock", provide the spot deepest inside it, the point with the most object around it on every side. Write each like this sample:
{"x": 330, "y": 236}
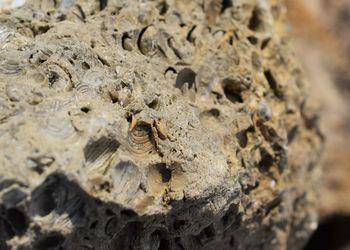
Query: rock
{"x": 154, "y": 125}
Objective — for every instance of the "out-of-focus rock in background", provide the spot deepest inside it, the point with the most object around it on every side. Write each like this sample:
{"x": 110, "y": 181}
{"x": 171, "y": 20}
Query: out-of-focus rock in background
{"x": 320, "y": 29}
{"x": 322, "y": 40}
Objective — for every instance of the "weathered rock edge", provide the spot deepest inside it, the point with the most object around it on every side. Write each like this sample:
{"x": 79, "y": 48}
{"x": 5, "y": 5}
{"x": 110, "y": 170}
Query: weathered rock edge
{"x": 154, "y": 125}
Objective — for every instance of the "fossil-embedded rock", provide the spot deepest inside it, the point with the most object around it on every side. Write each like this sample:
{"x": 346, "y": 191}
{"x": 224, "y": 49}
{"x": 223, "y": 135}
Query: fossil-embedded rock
{"x": 154, "y": 125}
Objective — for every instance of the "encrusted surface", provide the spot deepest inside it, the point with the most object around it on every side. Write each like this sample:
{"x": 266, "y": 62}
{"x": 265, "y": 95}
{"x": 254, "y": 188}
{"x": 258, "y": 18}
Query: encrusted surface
{"x": 153, "y": 125}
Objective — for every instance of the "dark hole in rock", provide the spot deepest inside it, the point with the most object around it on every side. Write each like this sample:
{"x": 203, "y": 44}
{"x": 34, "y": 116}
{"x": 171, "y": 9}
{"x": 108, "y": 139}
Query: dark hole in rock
{"x": 209, "y": 231}
{"x": 85, "y": 65}
{"x": 106, "y": 186}
{"x": 274, "y": 203}
{"x": 113, "y": 95}
{"x": 178, "y": 224}
{"x": 163, "y": 8}
{"x": 186, "y": 75}
{"x": 94, "y": 149}
{"x": 265, "y": 42}
{"x": 232, "y": 90}
{"x": 256, "y": 21}
{"x": 128, "y": 213}
{"x": 93, "y": 225}
{"x": 212, "y": 112}
{"x": 40, "y": 30}
{"x": 85, "y": 109}
{"x": 217, "y": 95}
{"x": 164, "y": 244}
{"x": 273, "y": 83}
{"x": 103, "y": 4}
{"x": 128, "y": 117}
{"x": 232, "y": 242}
{"x": 109, "y": 212}
{"x": 281, "y": 157}
{"x": 154, "y": 104}
{"x": 311, "y": 121}
{"x": 49, "y": 242}
{"x": 266, "y": 160}
{"x": 53, "y": 77}
{"x": 253, "y": 40}
{"x": 292, "y": 134}
{"x": 225, "y": 5}
{"x": 332, "y": 233}
{"x": 164, "y": 172}
{"x": 242, "y": 138}
{"x": 17, "y": 220}
{"x": 93, "y": 44}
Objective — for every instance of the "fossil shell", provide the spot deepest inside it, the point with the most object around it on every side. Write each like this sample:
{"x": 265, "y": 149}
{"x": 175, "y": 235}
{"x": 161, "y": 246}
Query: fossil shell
{"x": 5, "y": 35}
{"x": 127, "y": 178}
{"x": 59, "y": 128}
{"x": 99, "y": 154}
{"x": 58, "y": 78}
{"x": 90, "y": 82}
{"x": 10, "y": 66}
{"x": 141, "y": 138}
{"x": 147, "y": 40}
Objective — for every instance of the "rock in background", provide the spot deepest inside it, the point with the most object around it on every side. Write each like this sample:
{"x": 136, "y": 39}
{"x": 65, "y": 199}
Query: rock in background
{"x": 320, "y": 33}
{"x": 154, "y": 125}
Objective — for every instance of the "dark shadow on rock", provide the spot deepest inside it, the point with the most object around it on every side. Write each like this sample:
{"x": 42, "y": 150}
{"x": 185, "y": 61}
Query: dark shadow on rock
{"x": 95, "y": 224}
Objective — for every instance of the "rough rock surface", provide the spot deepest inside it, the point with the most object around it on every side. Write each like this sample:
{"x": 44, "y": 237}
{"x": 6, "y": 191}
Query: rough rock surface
{"x": 154, "y": 125}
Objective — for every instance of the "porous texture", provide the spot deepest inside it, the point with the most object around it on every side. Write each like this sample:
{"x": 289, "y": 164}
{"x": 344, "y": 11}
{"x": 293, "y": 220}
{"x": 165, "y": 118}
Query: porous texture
{"x": 154, "y": 125}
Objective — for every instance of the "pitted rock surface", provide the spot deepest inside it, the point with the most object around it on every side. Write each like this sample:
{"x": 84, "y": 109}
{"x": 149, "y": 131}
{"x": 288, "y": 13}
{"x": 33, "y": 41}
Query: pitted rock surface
{"x": 154, "y": 125}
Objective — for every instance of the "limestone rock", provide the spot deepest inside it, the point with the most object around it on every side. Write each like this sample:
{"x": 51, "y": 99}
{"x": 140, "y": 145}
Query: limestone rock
{"x": 154, "y": 125}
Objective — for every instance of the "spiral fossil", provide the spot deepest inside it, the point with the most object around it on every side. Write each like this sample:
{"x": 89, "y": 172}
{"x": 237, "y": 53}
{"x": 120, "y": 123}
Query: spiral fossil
{"x": 141, "y": 139}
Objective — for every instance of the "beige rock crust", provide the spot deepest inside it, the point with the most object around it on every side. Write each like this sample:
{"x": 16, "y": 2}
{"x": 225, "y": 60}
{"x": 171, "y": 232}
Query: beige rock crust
{"x": 154, "y": 125}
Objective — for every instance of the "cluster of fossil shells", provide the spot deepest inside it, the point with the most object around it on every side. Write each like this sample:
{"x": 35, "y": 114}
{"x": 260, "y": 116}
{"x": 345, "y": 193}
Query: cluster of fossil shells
{"x": 143, "y": 136}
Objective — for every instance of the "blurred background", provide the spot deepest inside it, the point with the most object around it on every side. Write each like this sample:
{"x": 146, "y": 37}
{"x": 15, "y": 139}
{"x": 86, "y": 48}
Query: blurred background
{"x": 320, "y": 31}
